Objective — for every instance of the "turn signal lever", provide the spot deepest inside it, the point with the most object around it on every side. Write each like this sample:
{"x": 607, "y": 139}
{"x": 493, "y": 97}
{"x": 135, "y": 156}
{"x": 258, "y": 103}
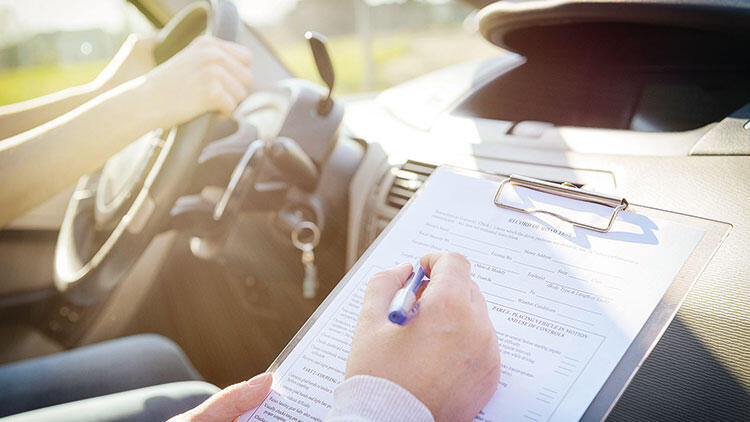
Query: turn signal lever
{"x": 293, "y": 163}
{"x": 201, "y": 216}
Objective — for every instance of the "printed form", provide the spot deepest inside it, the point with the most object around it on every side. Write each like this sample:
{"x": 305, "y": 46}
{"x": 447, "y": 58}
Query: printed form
{"x": 565, "y": 302}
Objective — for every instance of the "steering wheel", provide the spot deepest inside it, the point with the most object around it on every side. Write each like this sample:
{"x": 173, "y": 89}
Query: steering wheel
{"x": 114, "y": 213}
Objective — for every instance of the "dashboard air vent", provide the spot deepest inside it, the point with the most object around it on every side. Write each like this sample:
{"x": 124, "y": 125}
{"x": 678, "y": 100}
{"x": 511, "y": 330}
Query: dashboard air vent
{"x": 407, "y": 180}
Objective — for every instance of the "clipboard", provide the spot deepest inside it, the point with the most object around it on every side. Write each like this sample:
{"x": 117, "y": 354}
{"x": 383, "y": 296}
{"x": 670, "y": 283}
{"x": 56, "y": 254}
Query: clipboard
{"x": 714, "y": 234}
{"x": 665, "y": 311}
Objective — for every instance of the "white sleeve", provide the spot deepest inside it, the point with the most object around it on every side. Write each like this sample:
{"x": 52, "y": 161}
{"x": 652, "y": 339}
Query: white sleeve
{"x": 363, "y": 398}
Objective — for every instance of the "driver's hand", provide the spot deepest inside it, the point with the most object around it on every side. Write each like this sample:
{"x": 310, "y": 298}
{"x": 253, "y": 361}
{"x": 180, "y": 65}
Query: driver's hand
{"x": 210, "y": 74}
{"x": 231, "y": 402}
{"x": 447, "y": 356}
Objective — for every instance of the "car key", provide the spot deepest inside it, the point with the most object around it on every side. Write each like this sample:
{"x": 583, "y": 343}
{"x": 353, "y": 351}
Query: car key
{"x": 310, "y": 280}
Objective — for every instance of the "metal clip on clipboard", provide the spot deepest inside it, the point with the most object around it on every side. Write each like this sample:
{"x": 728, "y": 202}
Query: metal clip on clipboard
{"x": 566, "y": 190}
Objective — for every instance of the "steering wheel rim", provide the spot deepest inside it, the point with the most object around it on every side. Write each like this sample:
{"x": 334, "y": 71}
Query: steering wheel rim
{"x": 86, "y": 280}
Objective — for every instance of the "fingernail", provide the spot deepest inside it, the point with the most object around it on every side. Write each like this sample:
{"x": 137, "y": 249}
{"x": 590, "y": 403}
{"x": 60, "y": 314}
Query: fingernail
{"x": 259, "y": 379}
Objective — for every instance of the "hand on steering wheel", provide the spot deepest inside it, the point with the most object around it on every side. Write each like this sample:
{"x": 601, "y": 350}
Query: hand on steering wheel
{"x": 113, "y": 214}
{"x": 210, "y": 74}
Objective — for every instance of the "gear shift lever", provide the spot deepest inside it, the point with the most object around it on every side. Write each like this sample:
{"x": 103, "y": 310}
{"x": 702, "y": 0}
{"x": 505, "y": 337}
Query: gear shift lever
{"x": 325, "y": 68}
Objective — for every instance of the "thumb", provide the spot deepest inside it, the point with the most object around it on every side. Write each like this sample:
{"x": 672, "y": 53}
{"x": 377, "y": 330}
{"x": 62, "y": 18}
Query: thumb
{"x": 383, "y": 286}
{"x": 231, "y": 402}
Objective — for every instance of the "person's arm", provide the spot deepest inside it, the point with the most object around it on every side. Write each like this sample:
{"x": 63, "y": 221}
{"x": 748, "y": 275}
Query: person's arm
{"x": 210, "y": 74}
{"x": 444, "y": 365}
{"x": 365, "y": 398}
{"x": 134, "y": 58}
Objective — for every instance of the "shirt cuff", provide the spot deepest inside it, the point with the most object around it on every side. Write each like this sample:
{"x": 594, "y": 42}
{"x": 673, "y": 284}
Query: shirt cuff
{"x": 363, "y": 398}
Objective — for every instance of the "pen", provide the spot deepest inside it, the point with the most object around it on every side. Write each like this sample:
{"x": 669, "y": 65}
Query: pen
{"x": 404, "y": 305}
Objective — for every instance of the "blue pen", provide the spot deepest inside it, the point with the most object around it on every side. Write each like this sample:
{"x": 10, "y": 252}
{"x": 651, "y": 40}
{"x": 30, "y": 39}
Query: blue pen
{"x": 404, "y": 305}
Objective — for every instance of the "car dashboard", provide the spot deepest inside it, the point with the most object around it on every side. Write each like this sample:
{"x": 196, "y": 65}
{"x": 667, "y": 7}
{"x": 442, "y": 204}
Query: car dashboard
{"x": 675, "y": 139}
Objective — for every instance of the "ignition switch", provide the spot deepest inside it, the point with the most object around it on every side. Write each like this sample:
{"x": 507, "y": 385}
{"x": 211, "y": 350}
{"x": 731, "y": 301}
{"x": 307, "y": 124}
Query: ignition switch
{"x": 301, "y": 209}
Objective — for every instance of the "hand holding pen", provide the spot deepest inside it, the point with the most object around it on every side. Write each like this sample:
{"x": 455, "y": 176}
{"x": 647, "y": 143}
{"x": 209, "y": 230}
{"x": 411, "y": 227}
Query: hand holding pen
{"x": 447, "y": 355}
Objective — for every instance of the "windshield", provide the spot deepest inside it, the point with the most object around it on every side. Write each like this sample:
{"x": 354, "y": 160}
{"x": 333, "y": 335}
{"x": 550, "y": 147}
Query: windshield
{"x": 374, "y": 44}
{"x": 46, "y": 45}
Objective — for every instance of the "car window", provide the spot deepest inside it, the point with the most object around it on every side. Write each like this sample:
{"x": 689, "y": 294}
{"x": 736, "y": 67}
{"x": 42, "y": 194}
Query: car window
{"x": 374, "y": 44}
{"x": 49, "y": 45}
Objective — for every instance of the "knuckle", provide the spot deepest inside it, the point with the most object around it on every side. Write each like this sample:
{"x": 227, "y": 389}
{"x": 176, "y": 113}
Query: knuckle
{"x": 211, "y": 54}
{"x": 454, "y": 305}
{"x": 207, "y": 74}
{"x": 477, "y": 297}
{"x": 452, "y": 255}
{"x": 495, "y": 358}
{"x": 490, "y": 339}
{"x": 493, "y": 362}
{"x": 457, "y": 258}
{"x": 215, "y": 71}
{"x": 215, "y": 92}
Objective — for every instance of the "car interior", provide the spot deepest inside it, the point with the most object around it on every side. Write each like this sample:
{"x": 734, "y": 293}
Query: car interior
{"x": 198, "y": 232}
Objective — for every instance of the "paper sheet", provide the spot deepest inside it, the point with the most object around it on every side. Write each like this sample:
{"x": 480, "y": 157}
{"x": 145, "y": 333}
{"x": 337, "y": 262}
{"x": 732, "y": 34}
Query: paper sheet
{"x": 565, "y": 302}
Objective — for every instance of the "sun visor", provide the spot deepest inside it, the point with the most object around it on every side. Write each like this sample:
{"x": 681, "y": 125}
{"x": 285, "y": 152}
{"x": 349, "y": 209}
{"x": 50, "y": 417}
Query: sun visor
{"x": 624, "y": 30}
